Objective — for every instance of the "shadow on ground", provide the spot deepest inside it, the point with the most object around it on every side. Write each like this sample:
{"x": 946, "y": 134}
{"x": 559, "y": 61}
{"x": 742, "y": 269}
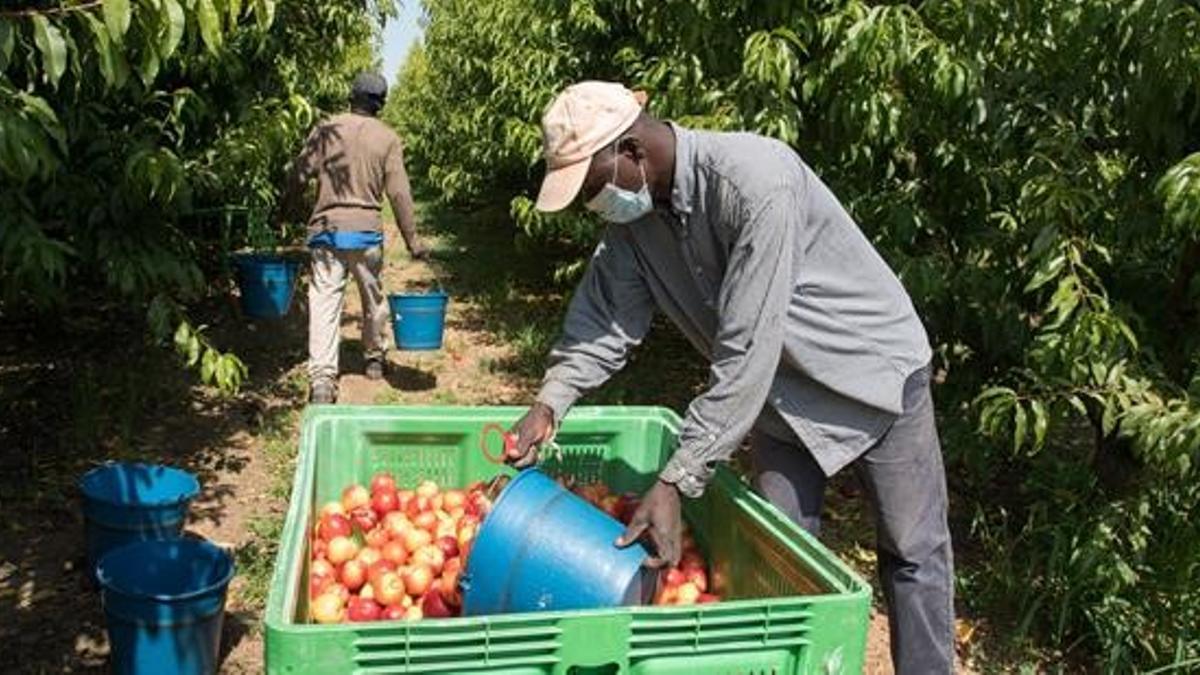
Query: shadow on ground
{"x": 81, "y": 388}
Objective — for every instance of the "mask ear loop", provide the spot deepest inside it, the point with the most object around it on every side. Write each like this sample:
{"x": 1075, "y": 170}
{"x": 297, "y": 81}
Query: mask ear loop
{"x": 617, "y": 159}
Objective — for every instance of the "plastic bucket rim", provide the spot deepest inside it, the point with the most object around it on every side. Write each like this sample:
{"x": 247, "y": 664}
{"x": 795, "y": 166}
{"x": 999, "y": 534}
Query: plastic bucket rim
{"x": 109, "y": 585}
{"x": 500, "y": 498}
{"x": 188, "y": 495}
{"x": 243, "y": 257}
{"x": 440, "y": 295}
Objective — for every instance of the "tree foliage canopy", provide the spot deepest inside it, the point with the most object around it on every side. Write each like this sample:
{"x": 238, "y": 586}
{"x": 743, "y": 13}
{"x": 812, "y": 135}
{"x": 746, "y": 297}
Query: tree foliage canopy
{"x": 1031, "y": 168}
{"x": 122, "y": 120}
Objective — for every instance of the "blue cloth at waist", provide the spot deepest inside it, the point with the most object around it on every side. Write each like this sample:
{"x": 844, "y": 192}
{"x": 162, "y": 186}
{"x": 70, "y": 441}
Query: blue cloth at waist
{"x": 346, "y": 240}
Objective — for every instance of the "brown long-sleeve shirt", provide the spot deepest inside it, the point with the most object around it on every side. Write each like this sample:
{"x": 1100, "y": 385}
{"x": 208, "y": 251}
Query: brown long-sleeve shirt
{"x": 356, "y": 159}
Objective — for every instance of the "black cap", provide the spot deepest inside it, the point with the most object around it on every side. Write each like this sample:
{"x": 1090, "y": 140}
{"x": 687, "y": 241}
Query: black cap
{"x": 368, "y": 86}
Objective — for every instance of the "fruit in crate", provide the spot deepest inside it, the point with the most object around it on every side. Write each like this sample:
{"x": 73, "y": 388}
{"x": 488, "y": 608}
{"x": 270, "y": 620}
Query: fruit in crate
{"x": 687, "y": 583}
{"x": 392, "y": 553}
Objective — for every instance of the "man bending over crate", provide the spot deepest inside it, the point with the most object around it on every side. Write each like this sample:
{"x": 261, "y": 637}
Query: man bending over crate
{"x": 356, "y": 159}
{"x": 814, "y": 344}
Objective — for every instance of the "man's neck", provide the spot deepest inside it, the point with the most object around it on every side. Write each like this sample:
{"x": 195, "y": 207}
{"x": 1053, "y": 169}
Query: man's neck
{"x": 662, "y": 151}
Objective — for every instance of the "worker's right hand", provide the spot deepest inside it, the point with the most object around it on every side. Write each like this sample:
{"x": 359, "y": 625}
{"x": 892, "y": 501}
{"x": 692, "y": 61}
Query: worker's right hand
{"x": 535, "y": 428}
{"x": 419, "y": 252}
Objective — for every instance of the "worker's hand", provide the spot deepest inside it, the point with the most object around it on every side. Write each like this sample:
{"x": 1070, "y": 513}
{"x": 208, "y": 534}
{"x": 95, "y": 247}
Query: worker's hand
{"x": 658, "y": 521}
{"x": 535, "y": 428}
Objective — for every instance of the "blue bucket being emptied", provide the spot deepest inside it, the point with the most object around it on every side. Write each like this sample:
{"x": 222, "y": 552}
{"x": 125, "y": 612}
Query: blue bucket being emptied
{"x": 544, "y": 548}
{"x": 418, "y": 319}
{"x": 128, "y": 502}
{"x": 164, "y": 602}
{"x": 266, "y": 284}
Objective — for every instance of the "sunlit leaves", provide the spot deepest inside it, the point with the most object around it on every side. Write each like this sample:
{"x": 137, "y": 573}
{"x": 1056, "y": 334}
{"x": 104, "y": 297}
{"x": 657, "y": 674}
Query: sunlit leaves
{"x": 222, "y": 370}
{"x": 111, "y": 59}
{"x": 53, "y": 47}
{"x": 1179, "y": 190}
{"x": 116, "y": 18}
{"x": 264, "y": 12}
{"x": 119, "y": 118}
{"x": 770, "y": 57}
{"x": 170, "y": 32}
{"x": 210, "y": 24}
{"x": 1022, "y": 164}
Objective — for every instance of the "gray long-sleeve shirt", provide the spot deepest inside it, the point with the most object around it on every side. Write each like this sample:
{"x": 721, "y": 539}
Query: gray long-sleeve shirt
{"x": 768, "y": 277}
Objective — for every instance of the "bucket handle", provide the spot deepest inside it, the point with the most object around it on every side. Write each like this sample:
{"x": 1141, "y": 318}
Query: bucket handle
{"x": 509, "y": 440}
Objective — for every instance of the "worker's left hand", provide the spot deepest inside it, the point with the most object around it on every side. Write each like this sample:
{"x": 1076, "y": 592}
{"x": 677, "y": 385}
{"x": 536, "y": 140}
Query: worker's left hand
{"x": 419, "y": 252}
{"x": 659, "y": 519}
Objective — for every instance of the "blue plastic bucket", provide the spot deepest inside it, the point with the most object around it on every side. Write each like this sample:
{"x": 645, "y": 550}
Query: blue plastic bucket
{"x": 418, "y": 319}
{"x": 266, "y": 283}
{"x": 544, "y": 548}
{"x": 128, "y": 502}
{"x": 164, "y": 602}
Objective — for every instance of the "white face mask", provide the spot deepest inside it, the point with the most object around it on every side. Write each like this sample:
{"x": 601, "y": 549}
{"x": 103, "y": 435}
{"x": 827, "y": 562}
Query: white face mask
{"x": 618, "y": 205}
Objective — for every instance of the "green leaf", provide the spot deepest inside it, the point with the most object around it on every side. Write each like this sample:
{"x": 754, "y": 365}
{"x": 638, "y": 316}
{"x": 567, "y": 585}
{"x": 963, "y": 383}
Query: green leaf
{"x": 44, "y": 114}
{"x": 112, "y": 63}
{"x": 193, "y": 351}
{"x": 1046, "y": 273}
{"x": 169, "y": 39}
{"x": 148, "y": 70}
{"x": 992, "y": 392}
{"x": 210, "y": 24}
{"x": 264, "y": 13}
{"x": 182, "y": 334}
{"x": 208, "y": 365}
{"x": 116, "y": 18}
{"x": 8, "y": 40}
{"x": 1040, "y": 422}
{"x": 1020, "y": 422}
{"x": 1108, "y": 421}
{"x": 1042, "y": 242}
{"x": 235, "y": 11}
{"x": 53, "y": 47}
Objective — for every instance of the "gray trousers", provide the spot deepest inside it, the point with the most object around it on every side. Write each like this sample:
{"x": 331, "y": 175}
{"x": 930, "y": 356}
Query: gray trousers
{"x": 327, "y": 297}
{"x": 906, "y": 482}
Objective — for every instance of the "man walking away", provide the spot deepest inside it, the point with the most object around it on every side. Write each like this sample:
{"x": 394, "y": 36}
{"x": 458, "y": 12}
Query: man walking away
{"x": 355, "y": 159}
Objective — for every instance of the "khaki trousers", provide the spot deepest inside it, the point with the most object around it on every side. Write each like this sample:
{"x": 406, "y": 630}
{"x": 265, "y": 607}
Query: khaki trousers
{"x": 327, "y": 297}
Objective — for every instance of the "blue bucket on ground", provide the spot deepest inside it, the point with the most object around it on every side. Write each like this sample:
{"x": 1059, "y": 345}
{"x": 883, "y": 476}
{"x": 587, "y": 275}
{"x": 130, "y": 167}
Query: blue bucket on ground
{"x": 266, "y": 283}
{"x": 164, "y": 602}
{"x": 544, "y": 548}
{"x": 125, "y": 502}
{"x": 418, "y": 319}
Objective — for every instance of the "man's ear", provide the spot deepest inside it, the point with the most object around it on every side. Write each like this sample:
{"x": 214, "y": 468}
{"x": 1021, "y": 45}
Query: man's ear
{"x": 633, "y": 148}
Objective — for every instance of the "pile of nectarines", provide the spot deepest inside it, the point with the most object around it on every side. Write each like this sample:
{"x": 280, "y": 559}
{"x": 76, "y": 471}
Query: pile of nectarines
{"x": 391, "y": 553}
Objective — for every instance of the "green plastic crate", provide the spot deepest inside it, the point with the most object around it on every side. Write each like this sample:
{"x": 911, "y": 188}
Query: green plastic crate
{"x": 791, "y": 606}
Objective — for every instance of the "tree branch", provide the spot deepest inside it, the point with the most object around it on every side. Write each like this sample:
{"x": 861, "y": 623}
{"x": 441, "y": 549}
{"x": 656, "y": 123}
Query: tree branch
{"x": 52, "y": 11}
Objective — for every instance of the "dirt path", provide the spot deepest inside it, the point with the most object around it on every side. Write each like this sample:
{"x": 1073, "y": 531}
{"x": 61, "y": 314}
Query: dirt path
{"x": 458, "y": 374}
